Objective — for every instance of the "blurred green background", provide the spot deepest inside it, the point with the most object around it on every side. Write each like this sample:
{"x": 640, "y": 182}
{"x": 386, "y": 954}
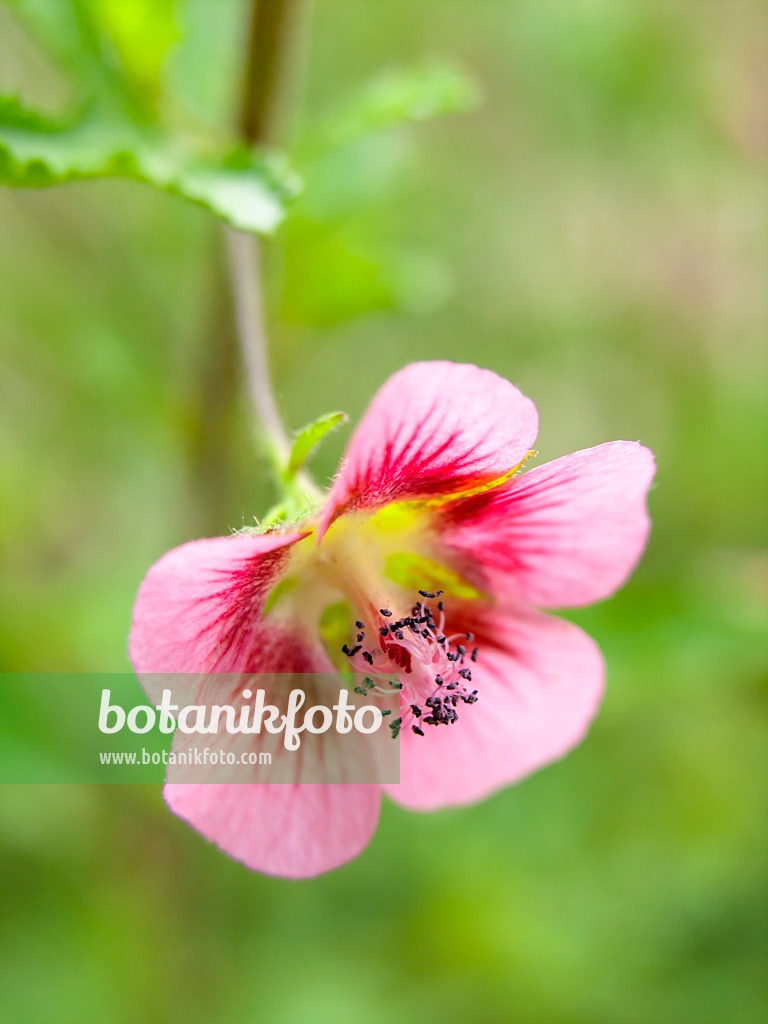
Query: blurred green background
{"x": 596, "y": 232}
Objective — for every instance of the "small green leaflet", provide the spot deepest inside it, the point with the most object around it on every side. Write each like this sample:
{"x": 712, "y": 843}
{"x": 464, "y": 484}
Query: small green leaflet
{"x": 246, "y": 190}
{"x": 307, "y": 438}
{"x": 300, "y": 496}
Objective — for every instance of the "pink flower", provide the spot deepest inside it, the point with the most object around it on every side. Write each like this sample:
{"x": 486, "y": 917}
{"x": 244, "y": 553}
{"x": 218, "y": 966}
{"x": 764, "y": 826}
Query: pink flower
{"x": 427, "y": 498}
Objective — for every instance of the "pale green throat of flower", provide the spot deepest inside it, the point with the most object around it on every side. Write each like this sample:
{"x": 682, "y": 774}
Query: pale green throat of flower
{"x": 365, "y": 562}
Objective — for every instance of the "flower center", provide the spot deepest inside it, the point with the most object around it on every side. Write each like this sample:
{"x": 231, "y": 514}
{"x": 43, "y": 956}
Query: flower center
{"x": 417, "y": 645}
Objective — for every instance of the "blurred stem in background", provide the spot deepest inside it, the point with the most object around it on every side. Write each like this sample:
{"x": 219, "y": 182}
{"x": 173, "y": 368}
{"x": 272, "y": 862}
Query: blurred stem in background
{"x": 269, "y": 40}
{"x": 239, "y": 278}
{"x": 245, "y": 272}
{"x": 272, "y": 24}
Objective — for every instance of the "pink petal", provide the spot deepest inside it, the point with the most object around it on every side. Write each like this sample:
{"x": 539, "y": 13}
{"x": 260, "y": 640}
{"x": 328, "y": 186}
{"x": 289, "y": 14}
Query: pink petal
{"x": 290, "y": 831}
{"x": 199, "y": 611}
{"x": 433, "y": 429}
{"x": 539, "y": 681}
{"x": 199, "y": 607}
{"x": 562, "y": 535}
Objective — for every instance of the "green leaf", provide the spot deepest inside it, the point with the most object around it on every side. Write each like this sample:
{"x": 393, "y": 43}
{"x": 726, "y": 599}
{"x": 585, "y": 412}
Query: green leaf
{"x": 402, "y": 96}
{"x": 247, "y": 191}
{"x": 307, "y": 438}
{"x": 69, "y": 32}
{"x": 201, "y": 74}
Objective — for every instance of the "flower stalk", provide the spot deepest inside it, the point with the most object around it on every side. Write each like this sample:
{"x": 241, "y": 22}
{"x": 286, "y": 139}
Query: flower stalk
{"x": 268, "y": 39}
{"x": 245, "y": 274}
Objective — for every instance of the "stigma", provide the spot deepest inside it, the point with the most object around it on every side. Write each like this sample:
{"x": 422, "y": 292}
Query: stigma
{"x": 436, "y": 665}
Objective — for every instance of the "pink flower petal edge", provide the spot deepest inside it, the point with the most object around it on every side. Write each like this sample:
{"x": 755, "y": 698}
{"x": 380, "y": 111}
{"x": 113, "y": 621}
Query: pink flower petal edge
{"x": 433, "y": 428}
{"x": 564, "y": 534}
{"x": 198, "y": 611}
{"x": 290, "y": 831}
{"x": 199, "y": 607}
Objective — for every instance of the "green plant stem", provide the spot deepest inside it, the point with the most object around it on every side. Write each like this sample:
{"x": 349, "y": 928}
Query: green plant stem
{"x": 245, "y": 274}
{"x": 268, "y": 41}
